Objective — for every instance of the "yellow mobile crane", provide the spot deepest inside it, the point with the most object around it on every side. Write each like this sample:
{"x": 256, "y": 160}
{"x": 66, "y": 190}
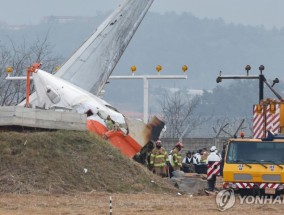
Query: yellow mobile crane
{"x": 257, "y": 165}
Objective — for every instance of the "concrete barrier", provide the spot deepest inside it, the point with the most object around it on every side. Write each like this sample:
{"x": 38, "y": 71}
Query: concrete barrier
{"x": 38, "y": 118}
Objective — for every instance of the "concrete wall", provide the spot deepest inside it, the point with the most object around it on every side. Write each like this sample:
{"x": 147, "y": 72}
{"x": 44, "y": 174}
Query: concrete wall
{"x": 193, "y": 144}
{"x": 37, "y": 118}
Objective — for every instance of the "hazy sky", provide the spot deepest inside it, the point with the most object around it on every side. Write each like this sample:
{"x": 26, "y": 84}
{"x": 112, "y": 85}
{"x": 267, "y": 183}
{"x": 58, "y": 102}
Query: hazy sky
{"x": 268, "y": 13}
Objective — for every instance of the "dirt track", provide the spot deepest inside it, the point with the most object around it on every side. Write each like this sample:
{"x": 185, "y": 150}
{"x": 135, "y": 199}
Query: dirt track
{"x": 123, "y": 204}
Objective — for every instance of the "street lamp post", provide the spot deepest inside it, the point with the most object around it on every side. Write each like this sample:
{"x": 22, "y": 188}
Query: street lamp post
{"x": 146, "y": 84}
{"x": 260, "y": 77}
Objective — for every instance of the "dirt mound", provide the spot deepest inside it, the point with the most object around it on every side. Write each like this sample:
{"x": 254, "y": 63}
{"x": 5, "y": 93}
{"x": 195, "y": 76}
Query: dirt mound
{"x": 67, "y": 162}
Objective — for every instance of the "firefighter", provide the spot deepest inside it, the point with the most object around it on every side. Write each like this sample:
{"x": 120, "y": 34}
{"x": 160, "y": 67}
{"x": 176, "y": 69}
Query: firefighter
{"x": 176, "y": 156}
{"x": 204, "y": 156}
{"x": 212, "y": 158}
{"x": 203, "y": 161}
{"x": 110, "y": 124}
{"x": 159, "y": 159}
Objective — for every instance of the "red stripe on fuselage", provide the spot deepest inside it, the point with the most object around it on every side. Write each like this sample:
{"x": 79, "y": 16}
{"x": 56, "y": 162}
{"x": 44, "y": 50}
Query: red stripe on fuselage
{"x": 125, "y": 143}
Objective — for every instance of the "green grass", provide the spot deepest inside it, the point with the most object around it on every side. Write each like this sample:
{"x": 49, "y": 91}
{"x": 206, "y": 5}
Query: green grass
{"x": 54, "y": 162}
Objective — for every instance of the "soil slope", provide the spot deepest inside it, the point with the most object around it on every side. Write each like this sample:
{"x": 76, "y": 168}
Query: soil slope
{"x": 66, "y": 162}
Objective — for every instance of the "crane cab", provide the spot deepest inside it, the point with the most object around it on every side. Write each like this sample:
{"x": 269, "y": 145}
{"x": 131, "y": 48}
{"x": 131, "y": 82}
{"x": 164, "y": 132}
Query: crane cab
{"x": 255, "y": 165}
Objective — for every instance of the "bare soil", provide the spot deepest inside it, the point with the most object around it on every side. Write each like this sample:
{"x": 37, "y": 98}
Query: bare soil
{"x": 126, "y": 204}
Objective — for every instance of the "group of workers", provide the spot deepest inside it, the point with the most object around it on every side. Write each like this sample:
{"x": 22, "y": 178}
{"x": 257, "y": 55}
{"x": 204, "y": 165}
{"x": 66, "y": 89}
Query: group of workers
{"x": 165, "y": 164}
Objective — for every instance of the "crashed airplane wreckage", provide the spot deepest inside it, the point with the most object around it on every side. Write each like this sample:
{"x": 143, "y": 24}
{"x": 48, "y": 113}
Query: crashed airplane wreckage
{"x": 78, "y": 82}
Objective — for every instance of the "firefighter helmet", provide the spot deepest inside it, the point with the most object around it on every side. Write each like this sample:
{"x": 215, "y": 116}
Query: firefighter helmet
{"x": 179, "y": 144}
{"x": 158, "y": 143}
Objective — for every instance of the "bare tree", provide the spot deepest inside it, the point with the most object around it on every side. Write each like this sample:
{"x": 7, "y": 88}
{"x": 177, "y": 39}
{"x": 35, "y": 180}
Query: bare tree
{"x": 20, "y": 57}
{"x": 178, "y": 113}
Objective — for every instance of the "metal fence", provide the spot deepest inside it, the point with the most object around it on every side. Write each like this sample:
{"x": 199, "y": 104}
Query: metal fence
{"x": 193, "y": 144}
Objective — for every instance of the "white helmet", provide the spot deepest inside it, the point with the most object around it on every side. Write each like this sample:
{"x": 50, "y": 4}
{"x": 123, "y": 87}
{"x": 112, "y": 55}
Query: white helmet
{"x": 213, "y": 149}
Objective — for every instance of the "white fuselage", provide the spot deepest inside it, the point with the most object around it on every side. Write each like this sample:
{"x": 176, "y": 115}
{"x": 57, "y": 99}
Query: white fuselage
{"x": 54, "y": 93}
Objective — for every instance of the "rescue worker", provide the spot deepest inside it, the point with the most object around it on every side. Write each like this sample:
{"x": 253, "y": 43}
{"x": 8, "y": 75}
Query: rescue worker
{"x": 187, "y": 162}
{"x": 110, "y": 124}
{"x": 176, "y": 156}
{"x": 203, "y": 161}
{"x": 159, "y": 159}
{"x": 212, "y": 157}
{"x": 204, "y": 156}
{"x": 196, "y": 161}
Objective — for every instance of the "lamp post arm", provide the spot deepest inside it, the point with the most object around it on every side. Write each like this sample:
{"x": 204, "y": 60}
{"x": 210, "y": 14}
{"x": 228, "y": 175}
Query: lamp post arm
{"x": 238, "y": 77}
{"x": 275, "y": 93}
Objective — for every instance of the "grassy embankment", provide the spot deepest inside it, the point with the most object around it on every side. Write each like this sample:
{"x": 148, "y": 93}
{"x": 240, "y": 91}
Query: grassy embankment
{"x": 63, "y": 162}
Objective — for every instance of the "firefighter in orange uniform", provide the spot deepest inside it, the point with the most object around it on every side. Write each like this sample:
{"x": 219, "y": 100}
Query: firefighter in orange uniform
{"x": 159, "y": 159}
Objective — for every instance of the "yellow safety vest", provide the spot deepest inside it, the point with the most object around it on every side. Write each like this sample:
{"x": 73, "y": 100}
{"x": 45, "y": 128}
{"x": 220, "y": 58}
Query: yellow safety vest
{"x": 176, "y": 158}
{"x": 159, "y": 157}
